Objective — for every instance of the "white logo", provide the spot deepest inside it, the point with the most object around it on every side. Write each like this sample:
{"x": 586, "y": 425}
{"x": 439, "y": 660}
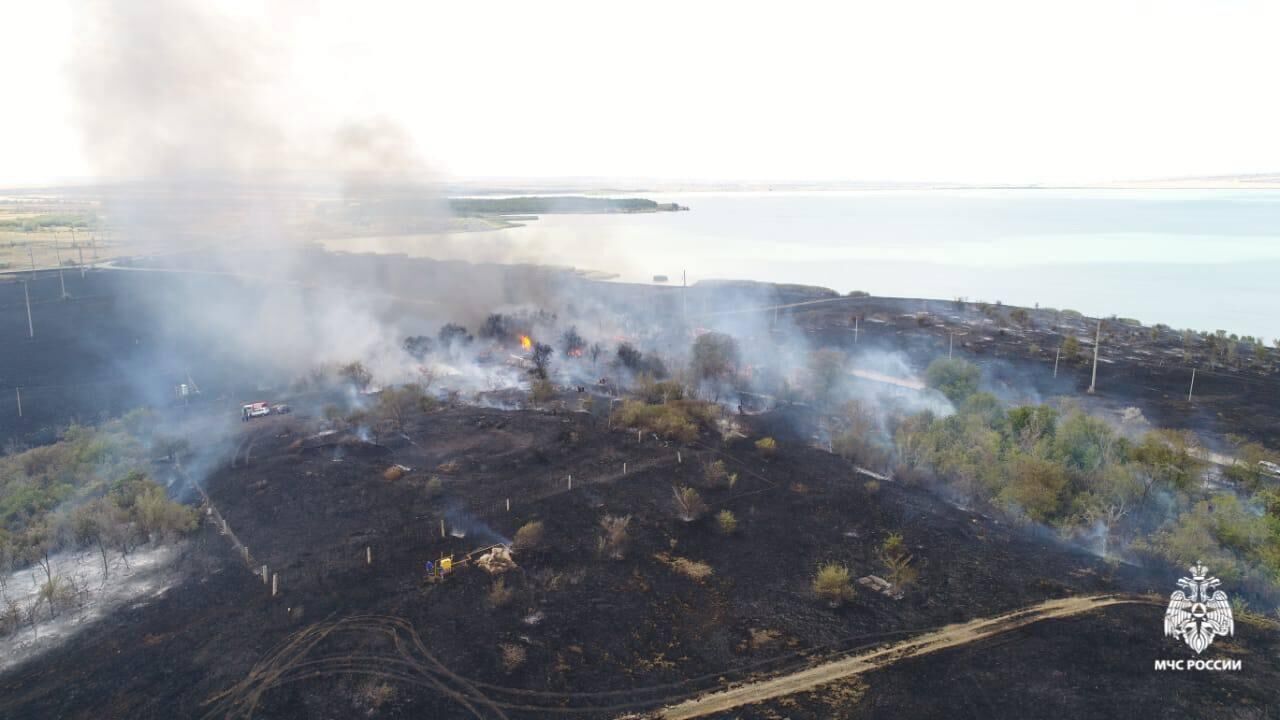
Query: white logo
{"x": 1199, "y": 617}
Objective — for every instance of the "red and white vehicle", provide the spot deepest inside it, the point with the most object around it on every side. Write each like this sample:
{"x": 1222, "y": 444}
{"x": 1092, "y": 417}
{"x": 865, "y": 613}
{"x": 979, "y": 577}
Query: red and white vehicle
{"x": 253, "y": 410}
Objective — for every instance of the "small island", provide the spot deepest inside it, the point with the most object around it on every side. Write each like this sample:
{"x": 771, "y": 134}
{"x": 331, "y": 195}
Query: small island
{"x": 557, "y": 204}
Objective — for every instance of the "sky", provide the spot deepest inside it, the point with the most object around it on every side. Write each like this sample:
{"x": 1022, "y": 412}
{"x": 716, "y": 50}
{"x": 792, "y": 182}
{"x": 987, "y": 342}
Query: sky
{"x": 908, "y": 90}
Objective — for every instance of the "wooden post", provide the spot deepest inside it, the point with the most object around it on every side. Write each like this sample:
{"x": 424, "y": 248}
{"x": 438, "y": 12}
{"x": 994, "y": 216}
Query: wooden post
{"x": 264, "y": 574}
{"x": 570, "y": 482}
{"x": 19, "y": 391}
{"x": 275, "y": 584}
{"x": 679, "y": 460}
{"x": 639, "y": 436}
{"x": 1193, "y": 385}
{"x": 368, "y": 555}
{"x": 624, "y": 468}
{"x": 855, "y": 329}
{"x": 508, "y": 504}
{"x": 31, "y": 328}
{"x": 1097, "y": 341}
{"x": 951, "y": 344}
{"x": 1056, "y": 355}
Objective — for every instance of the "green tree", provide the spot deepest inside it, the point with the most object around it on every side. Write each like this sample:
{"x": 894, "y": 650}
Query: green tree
{"x": 1035, "y": 487}
{"x": 1070, "y": 348}
{"x": 827, "y": 370}
{"x": 957, "y": 379}
{"x": 715, "y": 359}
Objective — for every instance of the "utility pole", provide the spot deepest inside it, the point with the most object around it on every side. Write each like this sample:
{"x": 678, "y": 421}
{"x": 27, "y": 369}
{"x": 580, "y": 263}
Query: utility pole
{"x": 58, "y": 252}
{"x": 1056, "y": 355}
{"x": 855, "y": 329}
{"x": 31, "y": 328}
{"x": 31, "y": 254}
{"x": 19, "y": 391}
{"x": 1193, "y": 384}
{"x": 951, "y": 344}
{"x": 684, "y": 294}
{"x": 1097, "y": 341}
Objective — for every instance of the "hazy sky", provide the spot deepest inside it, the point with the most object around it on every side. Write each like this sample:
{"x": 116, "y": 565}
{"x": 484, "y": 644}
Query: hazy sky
{"x": 892, "y": 90}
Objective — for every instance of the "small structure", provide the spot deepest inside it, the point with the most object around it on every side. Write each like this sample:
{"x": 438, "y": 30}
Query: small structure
{"x": 878, "y": 584}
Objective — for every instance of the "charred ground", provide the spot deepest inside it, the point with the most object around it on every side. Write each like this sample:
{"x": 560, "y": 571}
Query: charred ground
{"x": 638, "y": 630}
{"x": 634, "y": 629}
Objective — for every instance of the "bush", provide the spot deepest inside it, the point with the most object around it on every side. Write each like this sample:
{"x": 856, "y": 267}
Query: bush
{"x": 717, "y": 476}
{"x": 678, "y": 420}
{"x": 831, "y": 583}
{"x": 657, "y": 392}
{"x": 529, "y": 536}
{"x": 689, "y": 504}
{"x": 692, "y": 569}
{"x": 726, "y": 522}
{"x": 395, "y": 472}
{"x": 513, "y": 656}
{"x": 613, "y": 543}
{"x": 499, "y": 594}
{"x": 356, "y": 374}
{"x": 767, "y": 446}
{"x": 542, "y": 390}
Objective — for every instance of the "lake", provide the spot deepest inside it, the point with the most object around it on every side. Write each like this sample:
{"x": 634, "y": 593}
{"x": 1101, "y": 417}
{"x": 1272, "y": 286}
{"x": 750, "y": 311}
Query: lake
{"x": 1204, "y": 259}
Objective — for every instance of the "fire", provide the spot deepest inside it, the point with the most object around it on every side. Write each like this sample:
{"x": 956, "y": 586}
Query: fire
{"x": 576, "y": 352}
{"x": 526, "y": 343}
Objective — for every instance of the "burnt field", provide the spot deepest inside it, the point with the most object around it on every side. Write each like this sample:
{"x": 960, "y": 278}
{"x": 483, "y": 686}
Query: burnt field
{"x": 676, "y": 609}
{"x": 1139, "y": 366}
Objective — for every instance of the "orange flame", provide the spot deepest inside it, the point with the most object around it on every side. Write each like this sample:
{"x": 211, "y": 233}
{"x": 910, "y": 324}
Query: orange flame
{"x": 526, "y": 343}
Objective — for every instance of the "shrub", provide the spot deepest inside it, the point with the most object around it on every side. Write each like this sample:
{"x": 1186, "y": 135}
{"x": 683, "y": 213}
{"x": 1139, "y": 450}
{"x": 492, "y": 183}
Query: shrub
{"x": 658, "y": 392}
{"x": 435, "y": 485}
{"x": 726, "y": 522}
{"x": 677, "y": 420}
{"x": 529, "y": 536}
{"x": 692, "y": 569}
{"x": 689, "y": 504}
{"x": 613, "y": 543}
{"x": 372, "y": 695}
{"x": 898, "y": 562}
{"x": 395, "y": 472}
{"x": 1070, "y": 348}
{"x": 542, "y": 390}
{"x": 871, "y": 486}
{"x": 831, "y": 583}
{"x": 767, "y": 446}
{"x": 499, "y": 594}
{"x": 717, "y": 476}
{"x": 513, "y": 656}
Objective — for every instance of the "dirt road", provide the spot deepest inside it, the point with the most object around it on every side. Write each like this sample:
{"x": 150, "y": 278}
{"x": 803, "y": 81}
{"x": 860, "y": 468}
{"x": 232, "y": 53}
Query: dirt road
{"x": 948, "y": 637}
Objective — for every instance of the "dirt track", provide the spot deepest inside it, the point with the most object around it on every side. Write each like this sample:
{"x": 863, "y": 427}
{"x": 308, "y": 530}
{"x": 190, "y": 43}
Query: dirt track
{"x": 948, "y": 637}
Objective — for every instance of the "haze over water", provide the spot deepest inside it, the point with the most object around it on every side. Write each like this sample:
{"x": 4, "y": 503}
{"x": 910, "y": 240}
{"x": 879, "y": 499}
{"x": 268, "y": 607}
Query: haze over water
{"x": 1204, "y": 259}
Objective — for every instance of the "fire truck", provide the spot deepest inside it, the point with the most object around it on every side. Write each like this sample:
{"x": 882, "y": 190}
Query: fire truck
{"x": 253, "y": 410}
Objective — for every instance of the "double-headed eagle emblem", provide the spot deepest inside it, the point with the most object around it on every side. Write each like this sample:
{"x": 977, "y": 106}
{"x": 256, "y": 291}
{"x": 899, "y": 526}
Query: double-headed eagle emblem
{"x": 1196, "y": 617}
